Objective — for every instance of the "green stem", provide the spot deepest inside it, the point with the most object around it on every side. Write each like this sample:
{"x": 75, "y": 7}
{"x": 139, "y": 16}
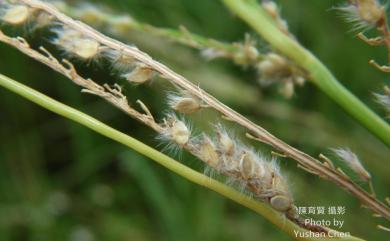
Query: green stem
{"x": 124, "y": 24}
{"x": 48, "y": 103}
{"x": 260, "y": 21}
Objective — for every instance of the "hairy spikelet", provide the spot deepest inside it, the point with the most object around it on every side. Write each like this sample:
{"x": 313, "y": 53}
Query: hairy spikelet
{"x": 363, "y": 14}
{"x": 74, "y": 43}
{"x": 352, "y": 160}
{"x": 176, "y": 130}
{"x": 140, "y": 74}
{"x": 184, "y": 103}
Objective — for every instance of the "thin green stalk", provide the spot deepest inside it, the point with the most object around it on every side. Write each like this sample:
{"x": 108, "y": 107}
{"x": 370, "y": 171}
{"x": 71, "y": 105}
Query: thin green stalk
{"x": 48, "y": 103}
{"x": 123, "y": 24}
{"x": 253, "y": 14}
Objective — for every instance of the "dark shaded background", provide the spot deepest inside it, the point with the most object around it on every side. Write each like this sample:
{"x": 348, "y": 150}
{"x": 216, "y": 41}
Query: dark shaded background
{"x": 61, "y": 181}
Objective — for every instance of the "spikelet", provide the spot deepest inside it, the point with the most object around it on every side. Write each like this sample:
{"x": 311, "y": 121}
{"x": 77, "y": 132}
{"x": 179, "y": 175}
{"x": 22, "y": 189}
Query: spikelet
{"x": 364, "y": 14}
{"x": 282, "y": 200}
{"x": 176, "y": 131}
{"x": 248, "y": 53}
{"x": 247, "y": 165}
{"x": 274, "y": 68}
{"x": 76, "y": 44}
{"x": 120, "y": 62}
{"x": 140, "y": 74}
{"x": 15, "y": 14}
{"x": 225, "y": 143}
{"x": 208, "y": 153}
{"x": 184, "y": 103}
{"x": 32, "y": 18}
{"x": 351, "y": 159}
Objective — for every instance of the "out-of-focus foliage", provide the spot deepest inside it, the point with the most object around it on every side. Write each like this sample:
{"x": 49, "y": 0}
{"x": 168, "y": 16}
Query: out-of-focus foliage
{"x": 60, "y": 181}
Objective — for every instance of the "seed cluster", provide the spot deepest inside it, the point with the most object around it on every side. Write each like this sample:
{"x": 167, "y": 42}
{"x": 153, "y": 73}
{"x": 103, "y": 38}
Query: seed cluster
{"x": 229, "y": 157}
{"x": 222, "y": 153}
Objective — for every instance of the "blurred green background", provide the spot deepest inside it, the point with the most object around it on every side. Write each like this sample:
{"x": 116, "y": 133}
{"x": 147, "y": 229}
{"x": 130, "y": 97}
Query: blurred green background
{"x": 61, "y": 181}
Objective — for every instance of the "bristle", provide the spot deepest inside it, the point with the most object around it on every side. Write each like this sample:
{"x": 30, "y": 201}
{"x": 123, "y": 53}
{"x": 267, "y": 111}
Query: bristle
{"x": 384, "y": 100}
{"x": 208, "y": 152}
{"x": 225, "y": 142}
